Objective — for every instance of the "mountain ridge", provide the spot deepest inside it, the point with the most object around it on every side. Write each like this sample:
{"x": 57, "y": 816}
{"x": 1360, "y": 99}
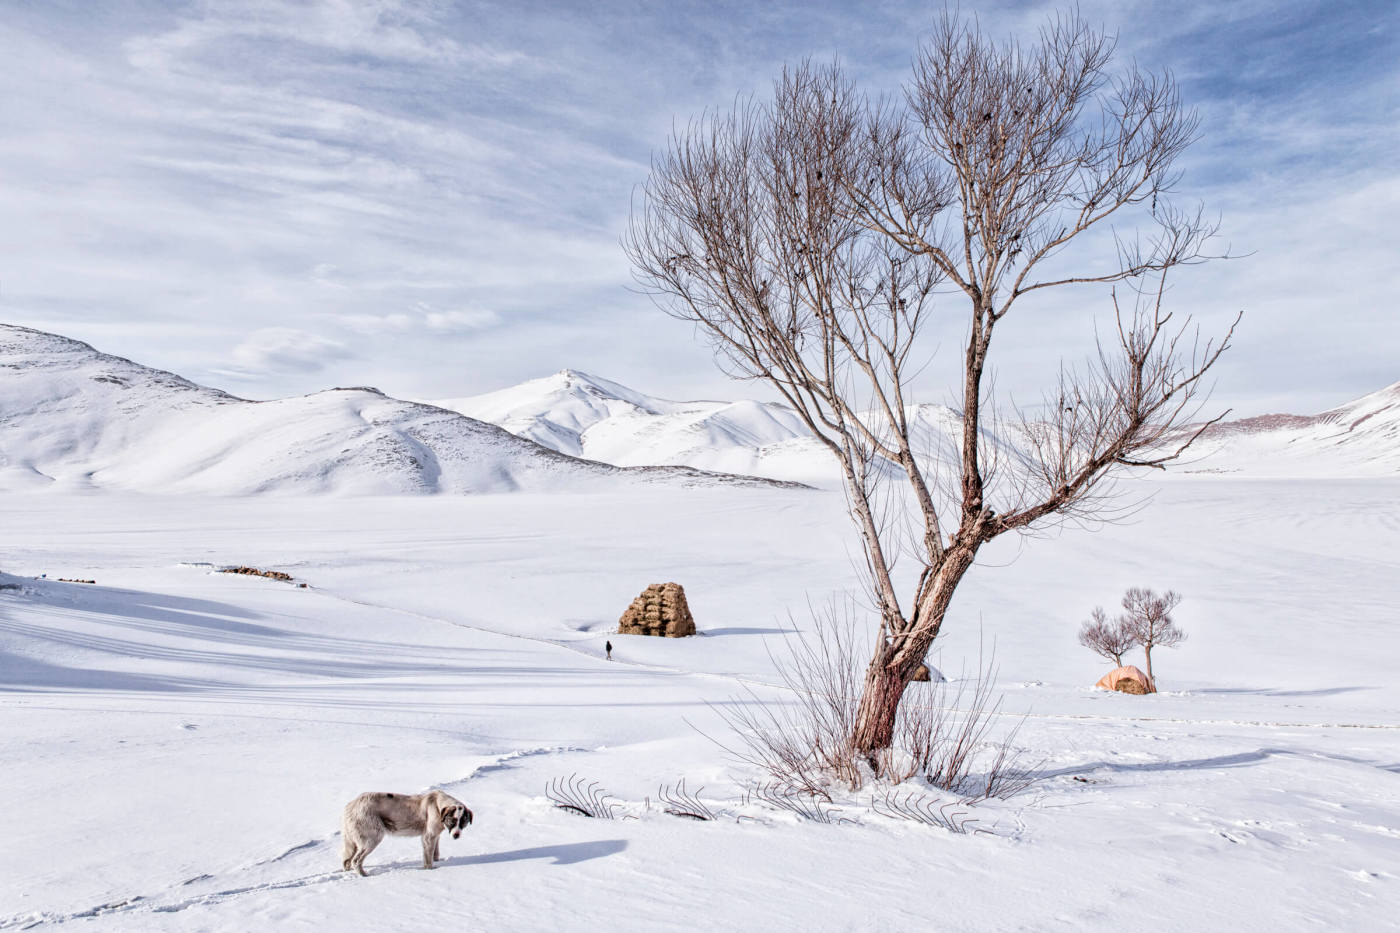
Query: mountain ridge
{"x": 74, "y": 416}
{"x": 604, "y": 420}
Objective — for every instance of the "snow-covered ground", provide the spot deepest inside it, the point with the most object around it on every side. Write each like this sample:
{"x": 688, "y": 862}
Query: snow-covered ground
{"x": 177, "y": 743}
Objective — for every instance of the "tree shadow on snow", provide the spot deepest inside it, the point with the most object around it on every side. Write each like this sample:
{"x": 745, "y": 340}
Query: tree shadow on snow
{"x": 747, "y": 630}
{"x": 83, "y": 637}
{"x": 1236, "y": 760}
{"x": 1274, "y": 692}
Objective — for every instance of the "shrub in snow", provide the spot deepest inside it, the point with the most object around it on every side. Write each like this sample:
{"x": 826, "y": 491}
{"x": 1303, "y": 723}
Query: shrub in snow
{"x": 1150, "y": 618}
{"x": 1109, "y": 639}
{"x": 1146, "y": 620}
{"x": 807, "y": 745}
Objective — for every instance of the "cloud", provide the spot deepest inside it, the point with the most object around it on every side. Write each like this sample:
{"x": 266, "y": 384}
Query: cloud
{"x": 284, "y": 350}
{"x": 382, "y": 29}
{"x": 423, "y": 319}
{"x": 456, "y": 176}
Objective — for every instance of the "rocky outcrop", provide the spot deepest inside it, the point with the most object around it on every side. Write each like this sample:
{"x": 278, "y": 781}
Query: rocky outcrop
{"x": 660, "y": 610}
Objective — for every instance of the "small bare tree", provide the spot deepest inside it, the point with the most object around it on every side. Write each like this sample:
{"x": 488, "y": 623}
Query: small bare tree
{"x": 808, "y": 237}
{"x": 1105, "y": 638}
{"x": 1149, "y": 618}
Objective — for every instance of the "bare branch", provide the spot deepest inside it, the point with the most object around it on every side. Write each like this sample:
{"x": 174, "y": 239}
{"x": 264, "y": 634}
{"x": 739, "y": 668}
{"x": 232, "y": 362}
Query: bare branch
{"x": 811, "y": 237}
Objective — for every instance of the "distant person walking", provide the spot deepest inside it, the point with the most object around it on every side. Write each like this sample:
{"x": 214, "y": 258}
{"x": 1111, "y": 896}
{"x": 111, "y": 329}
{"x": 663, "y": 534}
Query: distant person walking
{"x": 608, "y": 646}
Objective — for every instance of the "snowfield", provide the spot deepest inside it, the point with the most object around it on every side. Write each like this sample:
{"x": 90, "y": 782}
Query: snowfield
{"x": 178, "y": 743}
{"x": 182, "y": 740}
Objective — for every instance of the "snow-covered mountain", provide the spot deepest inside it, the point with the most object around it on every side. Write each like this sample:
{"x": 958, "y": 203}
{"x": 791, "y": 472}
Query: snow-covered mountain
{"x": 72, "y": 415}
{"x": 587, "y": 416}
{"x": 1360, "y": 438}
{"x": 575, "y": 413}
{"x": 584, "y": 415}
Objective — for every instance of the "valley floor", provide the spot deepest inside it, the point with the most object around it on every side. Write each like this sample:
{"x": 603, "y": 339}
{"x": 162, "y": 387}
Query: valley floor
{"x": 177, "y": 743}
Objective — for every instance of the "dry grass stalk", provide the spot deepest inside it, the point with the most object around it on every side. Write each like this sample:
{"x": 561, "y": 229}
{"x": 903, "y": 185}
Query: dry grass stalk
{"x": 806, "y": 744}
{"x": 575, "y": 796}
{"x": 793, "y": 800}
{"x": 680, "y": 802}
{"x": 921, "y": 808}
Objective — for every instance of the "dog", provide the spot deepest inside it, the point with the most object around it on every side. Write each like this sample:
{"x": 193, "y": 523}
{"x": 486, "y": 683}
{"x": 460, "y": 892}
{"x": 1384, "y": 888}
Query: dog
{"x": 370, "y": 816}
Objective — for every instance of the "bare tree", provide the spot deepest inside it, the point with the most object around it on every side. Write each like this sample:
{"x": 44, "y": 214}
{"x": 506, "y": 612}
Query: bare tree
{"x": 807, "y": 238}
{"x": 1149, "y": 618}
{"x": 1105, "y": 638}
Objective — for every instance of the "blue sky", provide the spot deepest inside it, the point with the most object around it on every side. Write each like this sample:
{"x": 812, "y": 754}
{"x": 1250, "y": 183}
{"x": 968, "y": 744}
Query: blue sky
{"x": 280, "y": 197}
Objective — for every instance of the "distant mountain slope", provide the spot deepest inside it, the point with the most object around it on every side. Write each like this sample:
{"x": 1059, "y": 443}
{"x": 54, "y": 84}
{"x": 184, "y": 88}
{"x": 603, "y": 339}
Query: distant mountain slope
{"x": 584, "y": 415}
{"x": 1360, "y": 438}
{"x": 72, "y": 415}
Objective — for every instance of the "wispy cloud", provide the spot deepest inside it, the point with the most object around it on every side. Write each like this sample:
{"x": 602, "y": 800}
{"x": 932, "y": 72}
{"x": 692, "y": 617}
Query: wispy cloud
{"x": 178, "y": 180}
{"x": 422, "y": 319}
{"x": 282, "y": 350}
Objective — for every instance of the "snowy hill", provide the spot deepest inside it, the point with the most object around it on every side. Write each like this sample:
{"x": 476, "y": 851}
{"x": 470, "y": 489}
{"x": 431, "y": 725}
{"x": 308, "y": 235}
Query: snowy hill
{"x": 1360, "y": 438}
{"x": 575, "y": 413}
{"x": 74, "y": 416}
{"x": 583, "y": 415}
{"x": 579, "y": 414}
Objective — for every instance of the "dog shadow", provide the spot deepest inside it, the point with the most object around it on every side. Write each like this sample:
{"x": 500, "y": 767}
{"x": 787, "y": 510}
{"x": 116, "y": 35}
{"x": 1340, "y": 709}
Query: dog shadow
{"x": 568, "y": 854}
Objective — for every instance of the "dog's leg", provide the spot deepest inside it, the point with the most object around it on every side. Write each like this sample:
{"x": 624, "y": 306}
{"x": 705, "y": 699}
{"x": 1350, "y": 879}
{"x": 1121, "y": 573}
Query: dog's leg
{"x": 366, "y": 845}
{"x": 430, "y": 846}
{"x": 347, "y": 853}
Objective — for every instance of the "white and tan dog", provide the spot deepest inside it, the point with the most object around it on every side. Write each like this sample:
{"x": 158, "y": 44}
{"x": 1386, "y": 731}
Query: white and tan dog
{"x": 369, "y": 817}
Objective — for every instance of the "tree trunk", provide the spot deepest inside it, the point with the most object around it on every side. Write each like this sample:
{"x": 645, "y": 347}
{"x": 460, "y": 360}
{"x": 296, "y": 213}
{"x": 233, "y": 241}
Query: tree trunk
{"x": 878, "y": 712}
{"x": 1151, "y": 681}
{"x": 894, "y": 664}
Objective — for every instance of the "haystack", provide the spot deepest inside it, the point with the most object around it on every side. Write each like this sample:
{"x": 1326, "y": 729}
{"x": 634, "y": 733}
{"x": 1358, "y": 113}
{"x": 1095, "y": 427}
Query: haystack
{"x": 660, "y": 610}
{"x": 1126, "y": 679}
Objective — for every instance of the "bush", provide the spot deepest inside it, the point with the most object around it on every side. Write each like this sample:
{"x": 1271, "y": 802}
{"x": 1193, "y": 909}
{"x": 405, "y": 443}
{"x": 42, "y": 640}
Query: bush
{"x": 806, "y": 745}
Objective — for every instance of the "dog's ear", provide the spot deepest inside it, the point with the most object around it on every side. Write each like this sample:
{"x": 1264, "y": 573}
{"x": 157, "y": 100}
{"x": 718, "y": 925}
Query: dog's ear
{"x": 466, "y": 819}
